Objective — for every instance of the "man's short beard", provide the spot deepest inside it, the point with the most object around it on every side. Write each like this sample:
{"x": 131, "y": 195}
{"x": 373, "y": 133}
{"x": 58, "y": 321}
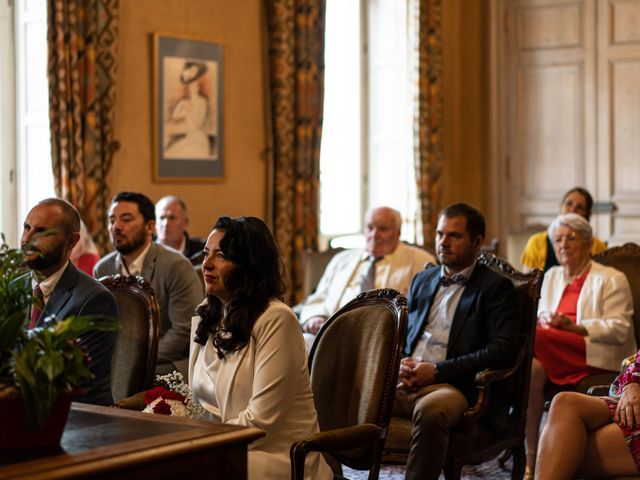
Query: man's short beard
{"x": 138, "y": 241}
{"x": 45, "y": 260}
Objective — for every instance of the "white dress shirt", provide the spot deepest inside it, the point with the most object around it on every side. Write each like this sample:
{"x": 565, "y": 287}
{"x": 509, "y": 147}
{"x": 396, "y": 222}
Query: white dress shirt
{"x": 432, "y": 346}
{"x": 136, "y": 266}
{"x": 48, "y": 285}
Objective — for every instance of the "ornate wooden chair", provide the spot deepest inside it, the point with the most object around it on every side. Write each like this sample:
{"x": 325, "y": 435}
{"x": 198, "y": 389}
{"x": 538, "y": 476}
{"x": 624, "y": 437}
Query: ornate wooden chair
{"x": 626, "y": 259}
{"x": 354, "y": 365}
{"x": 134, "y": 357}
{"x": 471, "y": 442}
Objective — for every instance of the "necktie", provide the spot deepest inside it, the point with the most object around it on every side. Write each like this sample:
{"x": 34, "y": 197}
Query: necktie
{"x": 447, "y": 281}
{"x": 36, "y": 306}
{"x": 369, "y": 280}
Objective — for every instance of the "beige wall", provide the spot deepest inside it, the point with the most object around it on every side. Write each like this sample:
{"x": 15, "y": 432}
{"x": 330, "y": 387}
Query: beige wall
{"x": 465, "y": 104}
{"x": 237, "y": 26}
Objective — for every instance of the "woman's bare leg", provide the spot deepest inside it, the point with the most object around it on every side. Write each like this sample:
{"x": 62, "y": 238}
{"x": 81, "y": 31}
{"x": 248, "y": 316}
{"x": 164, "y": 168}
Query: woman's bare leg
{"x": 578, "y": 434}
{"x": 607, "y": 455}
{"x": 534, "y": 410}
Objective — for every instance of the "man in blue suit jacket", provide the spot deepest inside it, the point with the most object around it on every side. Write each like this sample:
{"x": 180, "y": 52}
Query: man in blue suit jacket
{"x": 463, "y": 318}
{"x": 51, "y": 230}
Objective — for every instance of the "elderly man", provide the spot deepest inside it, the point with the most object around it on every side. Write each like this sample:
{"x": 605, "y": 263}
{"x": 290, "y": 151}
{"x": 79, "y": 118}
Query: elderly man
{"x": 463, "y": 318}
{"x": 174, "y": 281}
{"x": 60, "y": 290}
{"x": 384, "y": 263}
{"x": 171, "y": 228}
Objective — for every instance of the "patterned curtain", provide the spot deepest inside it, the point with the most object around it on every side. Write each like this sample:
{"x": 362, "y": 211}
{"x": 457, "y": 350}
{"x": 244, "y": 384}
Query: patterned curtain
{"x": 296, "y": 62}
{"x": 428, "y": 121}
{"x": 82, "y": 38}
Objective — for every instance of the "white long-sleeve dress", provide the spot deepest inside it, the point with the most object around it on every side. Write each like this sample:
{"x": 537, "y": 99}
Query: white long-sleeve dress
{"x": 264, "y": 385}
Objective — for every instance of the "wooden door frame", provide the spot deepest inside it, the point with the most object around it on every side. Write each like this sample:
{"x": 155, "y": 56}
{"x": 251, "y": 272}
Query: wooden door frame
{"x": 498, "y": 181}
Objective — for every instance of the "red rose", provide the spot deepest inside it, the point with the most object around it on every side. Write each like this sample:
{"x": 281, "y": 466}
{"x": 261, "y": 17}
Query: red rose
{"x": 151, "y": 395}
{"x": 171, "y": 395}
{"x": 162, "y": 407}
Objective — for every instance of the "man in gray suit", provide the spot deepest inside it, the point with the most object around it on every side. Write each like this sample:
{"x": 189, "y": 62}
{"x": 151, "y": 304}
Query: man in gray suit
{"x": 51, "y": 230}
{"x": 176, "y": 285}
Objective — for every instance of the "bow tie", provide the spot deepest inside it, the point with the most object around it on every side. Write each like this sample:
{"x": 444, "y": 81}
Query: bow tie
{"x": 447, "y": 281}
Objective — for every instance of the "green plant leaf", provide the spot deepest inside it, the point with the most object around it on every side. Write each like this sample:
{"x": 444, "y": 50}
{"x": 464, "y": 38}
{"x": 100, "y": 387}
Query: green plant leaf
{"x": 51, "y": 364}
{"x": 11, "y": 328}
{"x": 23, "y": 369}
{"x": 43, "y": 362}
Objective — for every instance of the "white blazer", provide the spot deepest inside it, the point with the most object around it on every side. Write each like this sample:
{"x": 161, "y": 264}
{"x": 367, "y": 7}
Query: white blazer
{"x": 264, "y": 385}
{"x": 395, "y": 270}
{"x": 605, "y": 310}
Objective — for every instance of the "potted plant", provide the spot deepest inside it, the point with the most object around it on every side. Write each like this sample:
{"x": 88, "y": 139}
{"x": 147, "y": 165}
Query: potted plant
{"x": 39, "y": 368}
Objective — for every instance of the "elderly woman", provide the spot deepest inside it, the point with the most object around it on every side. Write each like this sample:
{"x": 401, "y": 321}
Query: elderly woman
{"x": 248, "y": 365}
{"x": 539, "y": 252}
{"x": 584, "y": 320}
{"x": 594, "y": 437}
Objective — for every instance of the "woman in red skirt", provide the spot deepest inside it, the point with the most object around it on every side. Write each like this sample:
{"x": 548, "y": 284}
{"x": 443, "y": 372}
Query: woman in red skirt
{"x": 584, "y": 320}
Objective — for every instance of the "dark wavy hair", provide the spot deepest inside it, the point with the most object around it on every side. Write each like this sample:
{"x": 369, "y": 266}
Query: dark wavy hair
{"x": 256, "y": 278}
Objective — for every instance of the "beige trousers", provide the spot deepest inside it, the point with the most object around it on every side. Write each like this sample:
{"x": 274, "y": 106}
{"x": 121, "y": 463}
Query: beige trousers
{"x": 433, "y": 410}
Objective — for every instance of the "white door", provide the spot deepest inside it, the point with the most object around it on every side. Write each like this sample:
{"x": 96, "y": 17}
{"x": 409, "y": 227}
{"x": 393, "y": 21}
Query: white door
{"x": 618, "y": 118}
{"x": 568, "y": 112}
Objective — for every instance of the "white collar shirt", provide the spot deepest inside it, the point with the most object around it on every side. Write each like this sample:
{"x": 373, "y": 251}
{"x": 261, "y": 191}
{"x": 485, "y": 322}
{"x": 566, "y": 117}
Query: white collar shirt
{"x": 432, "y": 345}
{"x": 353, "y": 288}
{"x": 48, "y": 285}
{"x": 135, "y": 268}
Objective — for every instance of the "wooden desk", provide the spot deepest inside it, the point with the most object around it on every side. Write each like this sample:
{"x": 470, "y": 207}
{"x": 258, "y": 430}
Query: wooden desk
{"x": 101, "y": 442}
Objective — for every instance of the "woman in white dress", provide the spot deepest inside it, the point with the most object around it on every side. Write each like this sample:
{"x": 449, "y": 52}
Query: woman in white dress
{"x": 248, "y": 364}
{"x": 187, "y": 119}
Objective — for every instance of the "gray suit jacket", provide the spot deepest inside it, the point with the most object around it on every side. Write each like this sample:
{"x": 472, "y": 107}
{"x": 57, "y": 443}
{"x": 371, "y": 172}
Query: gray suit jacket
{"x": 178, "y": 291}
{"x": 77, "y": 294}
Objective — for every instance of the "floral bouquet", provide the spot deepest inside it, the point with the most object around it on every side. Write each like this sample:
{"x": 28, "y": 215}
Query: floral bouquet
{"x": 172, "y": 397}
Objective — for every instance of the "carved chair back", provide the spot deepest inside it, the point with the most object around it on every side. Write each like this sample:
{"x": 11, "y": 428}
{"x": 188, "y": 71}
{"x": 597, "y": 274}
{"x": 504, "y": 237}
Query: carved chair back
{"x": 134, "y": 357}
{"x": 354, "y": 366}
{"x": 626, "y": 258}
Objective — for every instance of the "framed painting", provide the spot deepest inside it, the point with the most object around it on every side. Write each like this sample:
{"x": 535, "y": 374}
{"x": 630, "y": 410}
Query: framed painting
{"x": 187, "y": 110}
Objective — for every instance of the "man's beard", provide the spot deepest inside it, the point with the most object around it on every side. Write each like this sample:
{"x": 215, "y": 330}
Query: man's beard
{"x": 46, "y": 259}
{"x": 136, "y": 242}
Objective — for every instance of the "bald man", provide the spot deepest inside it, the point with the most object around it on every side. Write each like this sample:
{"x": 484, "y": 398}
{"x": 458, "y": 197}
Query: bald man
{"x": 394, "y": 264}
{"x": 51, "y": 230}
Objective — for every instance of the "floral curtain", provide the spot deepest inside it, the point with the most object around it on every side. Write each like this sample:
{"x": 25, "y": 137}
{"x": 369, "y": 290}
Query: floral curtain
{"x": 82, "y": 38}
{"x": 295, "y": 30}
{"x": 428, "y": 121}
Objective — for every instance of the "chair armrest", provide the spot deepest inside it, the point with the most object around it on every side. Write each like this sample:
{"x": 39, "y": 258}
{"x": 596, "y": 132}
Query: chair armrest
{"x": 331, "y": 440}
{"x": 598, "y": 390}
{"x": 486, "y": 377}
{"x": 134, "y": 402}
{"x": 483, "y": 381}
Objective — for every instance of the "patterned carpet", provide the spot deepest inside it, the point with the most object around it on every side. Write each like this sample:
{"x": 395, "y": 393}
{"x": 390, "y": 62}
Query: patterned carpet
{"x": 489, "y": 470}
